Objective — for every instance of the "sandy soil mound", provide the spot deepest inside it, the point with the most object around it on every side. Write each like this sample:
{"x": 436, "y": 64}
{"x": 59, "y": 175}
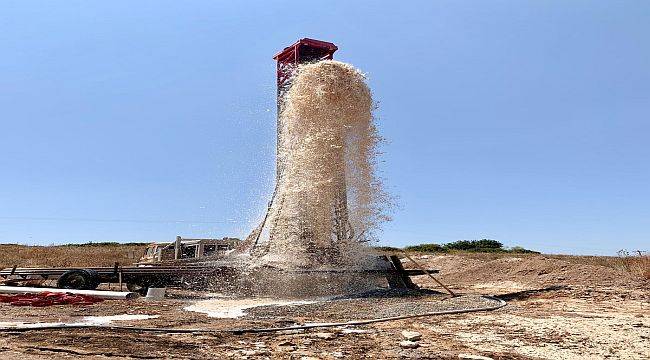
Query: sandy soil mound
{"x": 446, "y": 264}
{"x": 539, "y": 270}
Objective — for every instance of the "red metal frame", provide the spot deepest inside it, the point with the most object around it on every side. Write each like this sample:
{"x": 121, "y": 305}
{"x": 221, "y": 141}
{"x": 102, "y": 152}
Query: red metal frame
{"x": 303, "y": 50}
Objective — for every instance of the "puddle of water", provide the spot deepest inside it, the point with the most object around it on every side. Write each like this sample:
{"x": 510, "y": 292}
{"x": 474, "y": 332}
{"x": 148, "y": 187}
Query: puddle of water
{"x": 234, "y": 308}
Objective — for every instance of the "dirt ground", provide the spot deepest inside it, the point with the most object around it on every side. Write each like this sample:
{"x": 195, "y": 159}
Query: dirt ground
{"x": 557, "y": 309}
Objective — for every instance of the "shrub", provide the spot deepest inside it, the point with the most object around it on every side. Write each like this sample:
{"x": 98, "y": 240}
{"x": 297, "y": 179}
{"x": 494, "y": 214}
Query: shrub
{"x": 483, "y": 246}
{"x": 475, "y": 245}
{"x": 426, "y": 248}
{"x": 387, "y": 248}
{"x": 637, "y": 264}
{"x": 521, "y": 250}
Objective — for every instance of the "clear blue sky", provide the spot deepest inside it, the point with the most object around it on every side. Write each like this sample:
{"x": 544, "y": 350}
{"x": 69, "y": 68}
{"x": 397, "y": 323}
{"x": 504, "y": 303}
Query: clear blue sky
{"x": 522, "y": 121}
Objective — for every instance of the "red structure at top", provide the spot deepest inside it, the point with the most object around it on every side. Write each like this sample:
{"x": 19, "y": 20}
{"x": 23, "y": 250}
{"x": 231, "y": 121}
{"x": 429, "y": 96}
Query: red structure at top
{"x": 303, "y": 50}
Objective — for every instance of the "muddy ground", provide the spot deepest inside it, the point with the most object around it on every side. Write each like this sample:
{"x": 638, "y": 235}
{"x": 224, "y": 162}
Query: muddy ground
{"x": 556, "y": 310}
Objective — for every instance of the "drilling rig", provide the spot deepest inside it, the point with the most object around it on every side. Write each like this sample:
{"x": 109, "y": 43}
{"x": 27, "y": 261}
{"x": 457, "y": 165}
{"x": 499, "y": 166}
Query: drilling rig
{"x": 236, "y": 271}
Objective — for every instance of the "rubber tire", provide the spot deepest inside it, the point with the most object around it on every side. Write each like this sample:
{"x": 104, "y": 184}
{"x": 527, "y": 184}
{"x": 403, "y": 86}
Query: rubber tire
{"x": 96, "y": 280}
{"x": 78, "y": 279}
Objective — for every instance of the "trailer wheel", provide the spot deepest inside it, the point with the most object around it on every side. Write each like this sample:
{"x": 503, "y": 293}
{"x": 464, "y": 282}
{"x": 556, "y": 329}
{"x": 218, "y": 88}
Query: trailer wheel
{"x": 95, "y": 277}
{"x": 78, "y": 279}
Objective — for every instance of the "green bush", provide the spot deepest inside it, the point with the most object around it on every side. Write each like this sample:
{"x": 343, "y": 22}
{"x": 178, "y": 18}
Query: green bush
{"x": 475, "y": 245}
{"x": 521, "y": 250}
{"x": 483, "y": 245}
{"x": 387, "y": 248}
{"x": 426, "y": 248}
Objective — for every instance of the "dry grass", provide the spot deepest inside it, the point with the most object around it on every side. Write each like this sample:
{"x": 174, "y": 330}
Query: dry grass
{"x": 637, "y": 264}
{"x": 68, "y": 256}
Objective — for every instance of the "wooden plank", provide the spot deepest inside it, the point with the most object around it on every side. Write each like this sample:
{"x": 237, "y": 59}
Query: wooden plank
{"x": 395, "y": 281}
{"x": 406, "y": 279}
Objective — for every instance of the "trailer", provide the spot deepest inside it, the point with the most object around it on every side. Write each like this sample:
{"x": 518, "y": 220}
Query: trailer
{"x": 192, "y": 275}
{"x": 135, "y": 278}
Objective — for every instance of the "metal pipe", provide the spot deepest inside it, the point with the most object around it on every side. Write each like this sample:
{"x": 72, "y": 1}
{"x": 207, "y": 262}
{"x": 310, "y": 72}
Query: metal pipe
{"x": 177, "y": 248}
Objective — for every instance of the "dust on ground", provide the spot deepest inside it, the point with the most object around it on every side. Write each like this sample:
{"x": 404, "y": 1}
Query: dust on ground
{"x": 556, "y": 310}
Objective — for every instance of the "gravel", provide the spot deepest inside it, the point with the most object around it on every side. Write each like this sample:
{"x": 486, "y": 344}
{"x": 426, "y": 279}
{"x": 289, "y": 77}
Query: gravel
{"x": 368, "y": 308}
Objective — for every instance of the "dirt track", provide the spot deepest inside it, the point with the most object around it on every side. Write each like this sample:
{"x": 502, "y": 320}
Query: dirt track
{"x": 589, "y": 312}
